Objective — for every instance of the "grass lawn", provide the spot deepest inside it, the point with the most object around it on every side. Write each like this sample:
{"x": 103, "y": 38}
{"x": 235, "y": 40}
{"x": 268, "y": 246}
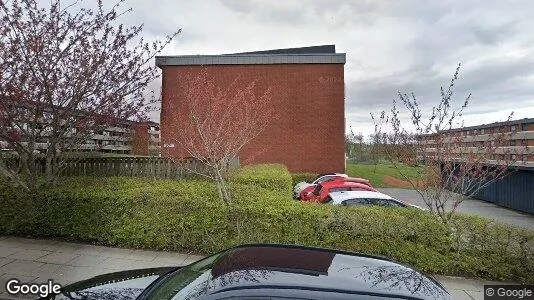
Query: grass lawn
{"x": 376, "y": 173}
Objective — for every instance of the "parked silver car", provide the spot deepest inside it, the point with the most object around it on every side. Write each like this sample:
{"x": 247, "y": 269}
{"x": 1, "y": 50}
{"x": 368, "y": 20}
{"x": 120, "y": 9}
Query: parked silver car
{"x": 350, "y": 198}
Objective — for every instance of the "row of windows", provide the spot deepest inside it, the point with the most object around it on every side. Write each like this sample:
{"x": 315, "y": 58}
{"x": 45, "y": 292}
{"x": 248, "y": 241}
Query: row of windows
{"x": 513, "y": 128}
{"x": 511, "y": 142}
{"x": 522, "y": 142}
{"x": 514, "y": 157}
{"x": 105, "y": 143}
{"x": 510, "y": 156}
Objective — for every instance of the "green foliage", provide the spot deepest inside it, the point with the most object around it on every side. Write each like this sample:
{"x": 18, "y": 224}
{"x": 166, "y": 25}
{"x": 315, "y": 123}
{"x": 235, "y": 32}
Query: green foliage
{"x": 299, "y": 177}
{"x": 274, "y": 177}
{"x": 186, "y": 215}
{"x": 492, "y": 245}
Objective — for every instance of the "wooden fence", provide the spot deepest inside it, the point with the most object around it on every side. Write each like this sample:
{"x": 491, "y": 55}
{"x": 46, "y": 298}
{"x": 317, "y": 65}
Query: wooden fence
{"x": 148, "y": 167}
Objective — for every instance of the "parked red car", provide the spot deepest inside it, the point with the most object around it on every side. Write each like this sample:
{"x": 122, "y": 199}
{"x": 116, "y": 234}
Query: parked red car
{"x": 321, "y": 191}
{"x": 304, "y": 194}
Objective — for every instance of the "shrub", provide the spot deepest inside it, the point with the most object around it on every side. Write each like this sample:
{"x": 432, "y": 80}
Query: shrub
{"x": 299, "y": 177}
{"x": 186, "y": 215}
{"x": 496, "y": 244}
{"x": 274, "y": 177}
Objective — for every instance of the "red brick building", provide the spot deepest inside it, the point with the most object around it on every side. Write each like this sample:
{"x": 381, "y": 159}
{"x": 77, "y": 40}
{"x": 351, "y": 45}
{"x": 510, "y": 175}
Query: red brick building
{"x": 308, "y": 93}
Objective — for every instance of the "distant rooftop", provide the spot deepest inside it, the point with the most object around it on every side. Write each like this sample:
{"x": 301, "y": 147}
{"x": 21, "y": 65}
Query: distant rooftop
{"x": 323, "y": 54}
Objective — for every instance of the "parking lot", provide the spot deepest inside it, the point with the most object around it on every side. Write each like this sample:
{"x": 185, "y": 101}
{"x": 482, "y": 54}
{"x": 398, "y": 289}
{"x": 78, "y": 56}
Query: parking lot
{"x": 471, "y": 206}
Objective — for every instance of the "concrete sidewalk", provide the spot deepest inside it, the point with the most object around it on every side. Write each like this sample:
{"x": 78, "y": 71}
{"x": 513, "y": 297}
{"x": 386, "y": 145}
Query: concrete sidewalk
{"x": 35, "y": 260}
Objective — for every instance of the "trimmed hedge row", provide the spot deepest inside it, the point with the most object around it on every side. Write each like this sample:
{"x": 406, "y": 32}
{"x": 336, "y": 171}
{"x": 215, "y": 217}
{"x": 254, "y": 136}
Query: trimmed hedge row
{"x": 187, "y": 215}
{"x": 270, "y": 176}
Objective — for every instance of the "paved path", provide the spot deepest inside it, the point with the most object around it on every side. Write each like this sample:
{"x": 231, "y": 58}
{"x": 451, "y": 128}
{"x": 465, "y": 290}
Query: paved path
{"x": 471, "y": 206}
{"x": 34, "y": 260}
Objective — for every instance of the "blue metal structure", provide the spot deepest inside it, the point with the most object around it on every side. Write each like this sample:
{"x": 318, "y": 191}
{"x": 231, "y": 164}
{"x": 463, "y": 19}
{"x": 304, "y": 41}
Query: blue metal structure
{"x": 515, "y": 191}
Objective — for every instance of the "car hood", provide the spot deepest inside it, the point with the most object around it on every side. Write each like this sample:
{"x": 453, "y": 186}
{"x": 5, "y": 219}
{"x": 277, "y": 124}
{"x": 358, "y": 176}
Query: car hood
{"x": 118, "y": 285}
{"x": 294, "y": 268}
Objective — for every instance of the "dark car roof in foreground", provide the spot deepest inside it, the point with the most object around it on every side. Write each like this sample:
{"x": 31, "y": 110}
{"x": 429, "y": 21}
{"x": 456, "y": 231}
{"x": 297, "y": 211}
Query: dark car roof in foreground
{"x": 284, "y": 270}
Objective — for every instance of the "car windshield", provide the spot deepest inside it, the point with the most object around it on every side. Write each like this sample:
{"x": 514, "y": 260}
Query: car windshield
{"x": 317, "y": 190}
{"x": 323, "y": 179}
{"x": 184, "y": 282}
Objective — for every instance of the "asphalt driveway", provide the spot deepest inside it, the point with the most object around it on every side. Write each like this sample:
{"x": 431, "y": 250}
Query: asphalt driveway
{"x": 471, "y": 206}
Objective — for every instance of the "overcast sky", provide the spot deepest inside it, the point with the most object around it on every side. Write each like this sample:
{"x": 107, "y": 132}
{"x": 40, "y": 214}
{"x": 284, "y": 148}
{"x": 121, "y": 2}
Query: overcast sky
{"x": 391, "y": 46}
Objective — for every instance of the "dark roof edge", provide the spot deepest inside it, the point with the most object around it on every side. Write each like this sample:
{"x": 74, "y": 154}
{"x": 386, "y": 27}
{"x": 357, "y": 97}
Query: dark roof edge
{"x": 320, "y": 49}
{"x": 251, "y": 59}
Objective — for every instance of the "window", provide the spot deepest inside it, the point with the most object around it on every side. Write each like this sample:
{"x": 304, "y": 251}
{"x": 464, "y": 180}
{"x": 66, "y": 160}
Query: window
{"x": 514, "y": 128}
{"x": 372, "y": 201}
{"x": 382, "y": 202}
{"x": 394, "y": 203}
{"x": 388, "y": 203}
{"x": 514, "y": 157}
{"x": 512, "y": 143}
{"x": 358, "y": 201}
{"x": 524, "y": 126}
{"x": 482, "y": 131}
{"x": 324, "y": 178}
{"x": 317, "y": 190}
{"x": 341, "y": 189}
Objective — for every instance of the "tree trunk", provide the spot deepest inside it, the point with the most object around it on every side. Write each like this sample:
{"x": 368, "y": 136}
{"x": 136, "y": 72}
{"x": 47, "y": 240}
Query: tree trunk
{"x": 49, "y": 165}
{"x": 221, "y": 186}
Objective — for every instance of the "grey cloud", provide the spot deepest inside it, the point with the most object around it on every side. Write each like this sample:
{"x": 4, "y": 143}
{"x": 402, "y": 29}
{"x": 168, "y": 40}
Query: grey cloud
{"x": 391, "y": 46}
{"x": 494, "y": 35}
{"x": 268, "y": 12}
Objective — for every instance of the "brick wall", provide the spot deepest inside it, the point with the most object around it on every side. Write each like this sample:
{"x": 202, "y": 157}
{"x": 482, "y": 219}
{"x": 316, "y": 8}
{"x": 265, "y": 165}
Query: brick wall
{"x": 308, "y": 134}
{"x": 140, "y": 139}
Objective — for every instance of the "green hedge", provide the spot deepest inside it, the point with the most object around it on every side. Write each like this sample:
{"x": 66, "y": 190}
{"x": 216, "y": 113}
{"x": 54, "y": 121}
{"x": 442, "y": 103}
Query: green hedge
{"x": 187, "y": 216}
{"x": 299, "y": 177}
{"x": 274, "y": 177}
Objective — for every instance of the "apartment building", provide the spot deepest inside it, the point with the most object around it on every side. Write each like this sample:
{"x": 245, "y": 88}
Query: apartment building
{"x": 126, "y": 137}
{"x": 514, "y": 148}
{"x": 516, "y": 141}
